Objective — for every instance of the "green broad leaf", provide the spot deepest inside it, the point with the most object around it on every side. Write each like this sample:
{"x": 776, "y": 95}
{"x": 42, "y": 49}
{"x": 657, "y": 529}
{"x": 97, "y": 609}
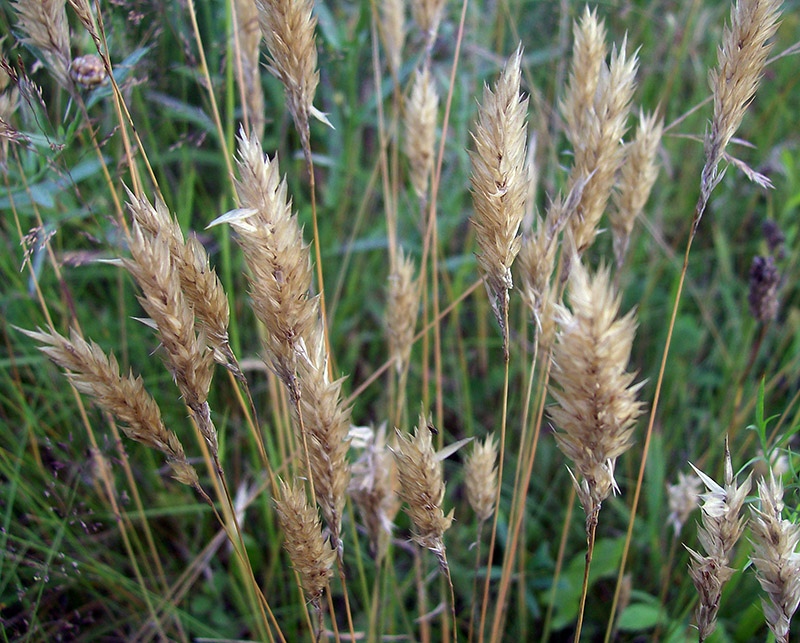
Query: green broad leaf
{"x": 640, "y": 616}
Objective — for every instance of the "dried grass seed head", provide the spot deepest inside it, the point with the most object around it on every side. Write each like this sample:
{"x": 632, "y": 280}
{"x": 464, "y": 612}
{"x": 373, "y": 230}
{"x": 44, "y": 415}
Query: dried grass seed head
{"x": 500, "y": 180}
{"x": 402, "y": 309}
{"x": 480, "y": 475}
{"x": 721, "y": 528}
{"x": 428, "y": 14}
{"x": 682, "y": 497}
{"x": 596, "y": 400}
{"x": 393, "y": 21}
{"x": 312, "y": 556}
{"x": 775, "y": 557}
{"x": 44, "y": 23}
{"x": 763, "y": 293}
{"x": 422, "y": 486}
{"x": 637, "y": 176}
{"x": 249, "y": 31}
{"x": 420, "y": 125}
{"x": 97, "y": 375}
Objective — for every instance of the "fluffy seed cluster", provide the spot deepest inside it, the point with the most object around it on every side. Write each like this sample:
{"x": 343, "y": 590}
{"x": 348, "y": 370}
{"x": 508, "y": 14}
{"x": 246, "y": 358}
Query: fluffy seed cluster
{"x": 596, "y": 398}
{"x": 200, "y": 285}
{"x": 280, "y": 279}
{"x": 481, "y": 478}
{"x": 722, "y": 527}
{"x": 288, "y": 28}
{"x": 596, "y": 109}
{"x": 775, "y": 557}
{"x": 763, "y": 294}
{"x": 500, "y": 180}
{"x": 247, "y": 23}
{"x": 311, "y": 555}
{"x": 44, "y": 23}
{"x": 682, "y": 497}
{"x": 97, "y": 375}
{"x": 422, "y": 487}
{"x": 420, "y": 126}
{"x": 371, "y": 490}
{"x": 401, "y": 313}
{"x": 637, "y": 176}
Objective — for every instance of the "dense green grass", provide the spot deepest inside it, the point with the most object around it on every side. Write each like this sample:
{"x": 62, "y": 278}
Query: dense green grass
{"x": 64, "y": 570}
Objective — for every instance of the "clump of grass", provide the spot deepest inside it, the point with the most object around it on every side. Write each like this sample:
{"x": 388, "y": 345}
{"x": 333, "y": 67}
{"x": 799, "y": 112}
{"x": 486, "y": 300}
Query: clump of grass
{"x": 97, "y": 375}
{"x": 775, "y": 557}
{"x": 722, "y": 527}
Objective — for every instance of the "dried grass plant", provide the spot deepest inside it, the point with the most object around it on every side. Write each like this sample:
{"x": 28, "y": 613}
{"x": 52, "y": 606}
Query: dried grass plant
{"x": 480, "y": 475}
{"x": 44, "y": 23}
{"x": 402, "y": 309}
{"x": 420, "y": 130}
{"x": 776, "y": 558}
{"x": 249, "y": 35}
{"x": 393, "y": 23}
{"x": 722, "y": 527}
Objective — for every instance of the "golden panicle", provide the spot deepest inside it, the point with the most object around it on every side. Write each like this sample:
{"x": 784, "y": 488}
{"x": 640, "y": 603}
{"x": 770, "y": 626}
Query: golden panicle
{"x": 428, "y": 14}
{"x": 44, "y": 23}
{"x": 420, "y": 126}
{"x": 279, "y": 261}
{"x": 596, "y": 399}
{"x": 201, "y": 287}
{"x": 188, "y": 360}
{"x": 371, "y": 489}
{"x": 636, "y": 179}
{"x": 500, "y": 181}
{"x": 598, "y": 148}
{"x": 422, "y": 487}
{"x": 722, "y": 527}
{"x": 682, "y": 497}
{"x": 742, "y": 56}
{"x": 327, "y": 423}
{"x": 288, "y": 27}
{"x": 480, "y": 475}
{"x": 775, "y": 557}
{"x": 311, "y": 555}
{"x": 588, "y": 54}
{"x": 97, "y": 375}
{"x": 393, "y": 22}
{"x": 402, "y": 309}
{"x": 247, "y": 23}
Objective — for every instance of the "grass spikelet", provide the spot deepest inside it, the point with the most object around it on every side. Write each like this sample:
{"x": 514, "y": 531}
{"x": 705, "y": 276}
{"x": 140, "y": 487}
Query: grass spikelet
{"x": 682, "y": 497}
{"x": 199, "y": 282}
{"x": 371, "y": 490}
{"x": 311, "y": 555}
{"x": 44, "y": 23}
{"x": 401, "y": 313}
{"x": 97, "y": 375}
{"x": 246, "y": 15}
{"x": 598, "y": 149}
{"x": 420, "y": 126}
{"x": 499, "y": 181}
{"x": 637, "y": 176}
{"x": 588, "y": 54}
{"x": 393, "y": 21}
{"x": 422, "y": 488}
{"x": 288, "y": 29}
{"x": 428, "y": 14}
{"x": 722, "y": 527}
{"x": 776, "y": 558}
{"x": 741, "y": 60}
{"x": 480, "y": 475}
{"x": 279, "y": 261}
{"x": 596, "y": 398}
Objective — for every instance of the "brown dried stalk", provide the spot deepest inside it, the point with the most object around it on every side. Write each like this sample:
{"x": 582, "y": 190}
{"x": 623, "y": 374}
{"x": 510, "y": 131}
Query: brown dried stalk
{"x": 401, "y": 312}
{"x": 199, "y": 282}
{"x": 422, "y": 488}
{"x": 188, "y": 360}
{"x": 420, "y": 126}
{"x": 247, "y": 22}
{"x": 500, "y": 181}
{"x": 775, "y": 557}
{"x": 480, "y": 475}
{"x": 596, "y": 398}
{"x": 311, "y": 555}
{"x": 45, "y": 25}
{"x": 637, "y": 176}
{"x": 97, "y": 375}
{"x": 721, "y": 528}
{"x": 741, "y": 57}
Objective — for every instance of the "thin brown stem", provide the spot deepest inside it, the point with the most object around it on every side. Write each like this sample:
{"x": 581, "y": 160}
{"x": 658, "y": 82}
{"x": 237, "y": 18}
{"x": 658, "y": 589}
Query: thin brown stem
{"x": 591, "y": 529}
